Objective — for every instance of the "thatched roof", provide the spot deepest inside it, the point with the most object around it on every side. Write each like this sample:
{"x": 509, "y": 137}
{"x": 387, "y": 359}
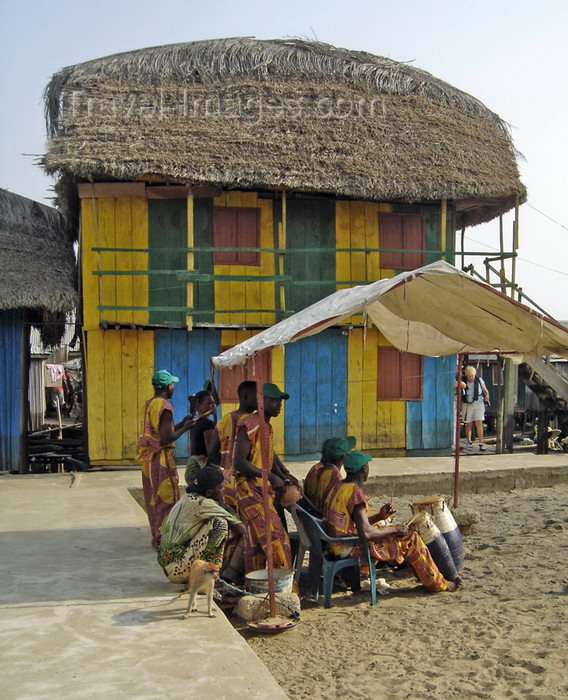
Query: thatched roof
{"x": 37, "y": 263}
{"x": 307, "y": 116}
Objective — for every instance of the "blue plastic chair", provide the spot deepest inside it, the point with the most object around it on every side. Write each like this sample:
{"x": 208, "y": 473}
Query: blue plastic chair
{"x": 313, "y": 537}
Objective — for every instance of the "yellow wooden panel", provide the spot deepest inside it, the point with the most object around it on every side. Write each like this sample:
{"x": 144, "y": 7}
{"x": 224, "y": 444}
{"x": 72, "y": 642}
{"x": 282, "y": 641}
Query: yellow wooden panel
{"x": 220, "y": 200}
{"x": 358, "y": 260}
{"x": 266, "y": 290}
{"x": 237, "y": 295}
{"x": 233, "y": 198}
{"x": 95, "y": 399}
{"x": 129, "y": 381}
{"x": 386, "y": 273}
{"x": 222, "y": 293}
{"x": 248, "y": 199}
{"x": 369, "y": 389}
{"x": 190, "y": 259}
{"x": 372, "y": 240}
{"x": 355, "y": 383}
{"x": 115, "y": 394}
{"x": 391, "y": 417}
{"x": 123, "y": 233}
{"x": 107, "y": 239}
{"x": 89, "y": 263}
{"x": 140, "y": 294}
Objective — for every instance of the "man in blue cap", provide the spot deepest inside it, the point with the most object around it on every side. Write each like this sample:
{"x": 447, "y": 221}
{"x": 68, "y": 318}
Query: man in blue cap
{"x": 346, "y": 515}
{"x": 160, "y": 480}
{"x": 324, "y": 475}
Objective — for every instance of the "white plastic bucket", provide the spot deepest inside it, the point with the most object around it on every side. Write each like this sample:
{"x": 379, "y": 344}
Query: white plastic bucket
{"x": 257, "y": 581}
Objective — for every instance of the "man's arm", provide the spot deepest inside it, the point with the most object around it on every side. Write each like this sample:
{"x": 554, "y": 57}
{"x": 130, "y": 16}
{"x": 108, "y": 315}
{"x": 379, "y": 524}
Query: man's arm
{"x": 242, "y": 464}
{"x": 170, "y": 432}
{"x": 366, "y": 531}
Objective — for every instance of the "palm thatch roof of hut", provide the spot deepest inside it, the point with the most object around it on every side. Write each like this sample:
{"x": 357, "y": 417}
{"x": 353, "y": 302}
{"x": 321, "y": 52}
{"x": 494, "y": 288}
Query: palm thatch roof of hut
{"x": 37, "y": 264}
{"x": 307, "y": 116}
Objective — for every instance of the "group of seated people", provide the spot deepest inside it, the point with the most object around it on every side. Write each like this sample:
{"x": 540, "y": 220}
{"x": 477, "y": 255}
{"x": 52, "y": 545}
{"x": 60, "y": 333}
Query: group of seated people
{"x": 222, "y": 519}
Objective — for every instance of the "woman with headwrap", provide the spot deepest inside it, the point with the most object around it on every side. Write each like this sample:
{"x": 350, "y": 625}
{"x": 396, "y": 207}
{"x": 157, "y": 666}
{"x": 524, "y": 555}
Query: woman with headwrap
{"x": 197, "y": 527}
{"x": 345, "y": 513}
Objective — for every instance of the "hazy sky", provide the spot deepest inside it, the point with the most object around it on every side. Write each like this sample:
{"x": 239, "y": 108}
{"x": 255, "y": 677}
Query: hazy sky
{"x": 512, "y": 55}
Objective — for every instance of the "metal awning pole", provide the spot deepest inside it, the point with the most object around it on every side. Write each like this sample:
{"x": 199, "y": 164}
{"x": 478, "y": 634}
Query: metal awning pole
{"x": 458, "y": 432}
{"x": 266, "y": 467}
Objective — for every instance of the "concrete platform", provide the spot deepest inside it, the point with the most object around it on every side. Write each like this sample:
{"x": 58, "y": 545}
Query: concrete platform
{"x": 86, "y": 611}
{"x": 480, "y": 472}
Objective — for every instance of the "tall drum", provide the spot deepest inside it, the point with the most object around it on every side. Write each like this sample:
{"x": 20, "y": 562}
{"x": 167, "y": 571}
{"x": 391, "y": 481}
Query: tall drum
{"x": 437, "y": 507}
{"x": 425, "y": 526}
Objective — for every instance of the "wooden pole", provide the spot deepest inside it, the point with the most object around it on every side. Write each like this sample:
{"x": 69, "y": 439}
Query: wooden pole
{"x": 266, "y": 467}
{"x": 515, "y": 247}
{"x": 499, "y": 430}
{"x": 510, "y": 380}
{"x": 458, "y": 432}
{"x": 501, "y": 251}
{"x": 443, "y": 217}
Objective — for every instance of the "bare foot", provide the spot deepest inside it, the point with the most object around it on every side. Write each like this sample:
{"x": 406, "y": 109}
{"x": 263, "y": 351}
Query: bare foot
{"x": 455, "y": 585}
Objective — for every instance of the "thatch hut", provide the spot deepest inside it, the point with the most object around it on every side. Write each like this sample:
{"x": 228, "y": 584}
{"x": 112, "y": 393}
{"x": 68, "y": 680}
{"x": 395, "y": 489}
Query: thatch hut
{"x": 226, "y": 183}
{"x": 37, "y": 288}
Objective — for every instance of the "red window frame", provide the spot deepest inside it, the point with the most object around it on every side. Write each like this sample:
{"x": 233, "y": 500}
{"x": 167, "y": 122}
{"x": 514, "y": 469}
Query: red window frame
{"x": 404, "y": 231}
{"x": 399, "y": 375}
{"x": 236, "y": 227}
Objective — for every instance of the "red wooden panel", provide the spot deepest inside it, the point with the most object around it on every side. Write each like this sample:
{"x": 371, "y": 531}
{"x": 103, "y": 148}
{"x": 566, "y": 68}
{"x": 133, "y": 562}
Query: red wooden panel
{"x": 224, "y": 230}
{"x": 388, "y": 373}
{"x": 413, "y": 237}
{"x": 391, "y": 236}
{"x": 399, "y": 375}
{"x": 411, "y": 376}
{"x": 230, "y": 378}
{"x": 248, "y": 236}
{"x": 235, "y": 227}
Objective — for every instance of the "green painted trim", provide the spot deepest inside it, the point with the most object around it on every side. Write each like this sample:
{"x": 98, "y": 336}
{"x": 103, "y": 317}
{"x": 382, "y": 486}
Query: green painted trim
{"x": 167, "y": 226}
{"x": 203, "y": 291}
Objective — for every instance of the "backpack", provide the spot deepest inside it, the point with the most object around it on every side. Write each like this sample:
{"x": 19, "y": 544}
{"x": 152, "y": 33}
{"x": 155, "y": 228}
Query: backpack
{"x": 476, "y": 390}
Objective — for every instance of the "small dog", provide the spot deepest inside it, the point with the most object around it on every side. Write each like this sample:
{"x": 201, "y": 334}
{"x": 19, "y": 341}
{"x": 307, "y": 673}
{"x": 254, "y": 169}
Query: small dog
{"x": 202, "y": 577}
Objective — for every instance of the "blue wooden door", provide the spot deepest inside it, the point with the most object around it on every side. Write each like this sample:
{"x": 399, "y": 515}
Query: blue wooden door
{"x": 13, "y": 386}
{"x": 316, "y": 379}
{"x": 429, "y": 423}
{"x": 186, "y": 355}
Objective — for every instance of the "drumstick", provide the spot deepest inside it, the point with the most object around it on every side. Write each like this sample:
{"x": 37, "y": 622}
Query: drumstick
{"x": 408, "y": 523}
{"x": 206, "y": 413}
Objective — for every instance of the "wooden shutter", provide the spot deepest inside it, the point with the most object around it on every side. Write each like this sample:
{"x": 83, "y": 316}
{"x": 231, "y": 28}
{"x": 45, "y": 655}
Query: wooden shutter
{"x": 230, "y": 378}
{"x": 391, "y": 236}
{"x": 405, "y": 231}
{"x": 399, "y": 375}
{"x": 236, "y": 227}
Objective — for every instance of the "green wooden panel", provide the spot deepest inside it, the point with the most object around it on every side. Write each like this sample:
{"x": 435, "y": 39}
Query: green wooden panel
{"x": 203, "y": 292}
{"x": 310, "y": 224}
{"x": 167, "y": 228}
{"x": 431, "y": 233}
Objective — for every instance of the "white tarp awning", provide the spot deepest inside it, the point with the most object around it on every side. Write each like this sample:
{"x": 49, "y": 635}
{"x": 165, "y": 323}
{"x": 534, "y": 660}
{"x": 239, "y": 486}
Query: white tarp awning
{"x": 434, "y": 310}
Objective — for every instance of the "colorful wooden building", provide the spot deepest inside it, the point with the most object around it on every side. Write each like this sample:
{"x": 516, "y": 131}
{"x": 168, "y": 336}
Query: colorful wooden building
{"x": 223, "y": 185}
{"x": 37, "y": 288}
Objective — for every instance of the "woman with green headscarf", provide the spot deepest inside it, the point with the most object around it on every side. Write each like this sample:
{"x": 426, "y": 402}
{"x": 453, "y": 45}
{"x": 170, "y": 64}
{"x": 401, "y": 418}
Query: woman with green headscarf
{"x": 346, "y": 515}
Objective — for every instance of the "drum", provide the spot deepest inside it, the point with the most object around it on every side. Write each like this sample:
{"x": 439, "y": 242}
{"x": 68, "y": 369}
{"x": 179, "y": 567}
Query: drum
{"x": 437, "y": 507}
{"x": 424, "y": 525}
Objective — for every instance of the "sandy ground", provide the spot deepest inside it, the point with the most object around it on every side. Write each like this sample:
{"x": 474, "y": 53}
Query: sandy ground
{"x": 504, "y": 635}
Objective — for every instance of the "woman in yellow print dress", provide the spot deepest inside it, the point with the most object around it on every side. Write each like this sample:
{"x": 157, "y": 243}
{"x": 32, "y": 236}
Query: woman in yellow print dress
{"x": 156, "y": 452}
